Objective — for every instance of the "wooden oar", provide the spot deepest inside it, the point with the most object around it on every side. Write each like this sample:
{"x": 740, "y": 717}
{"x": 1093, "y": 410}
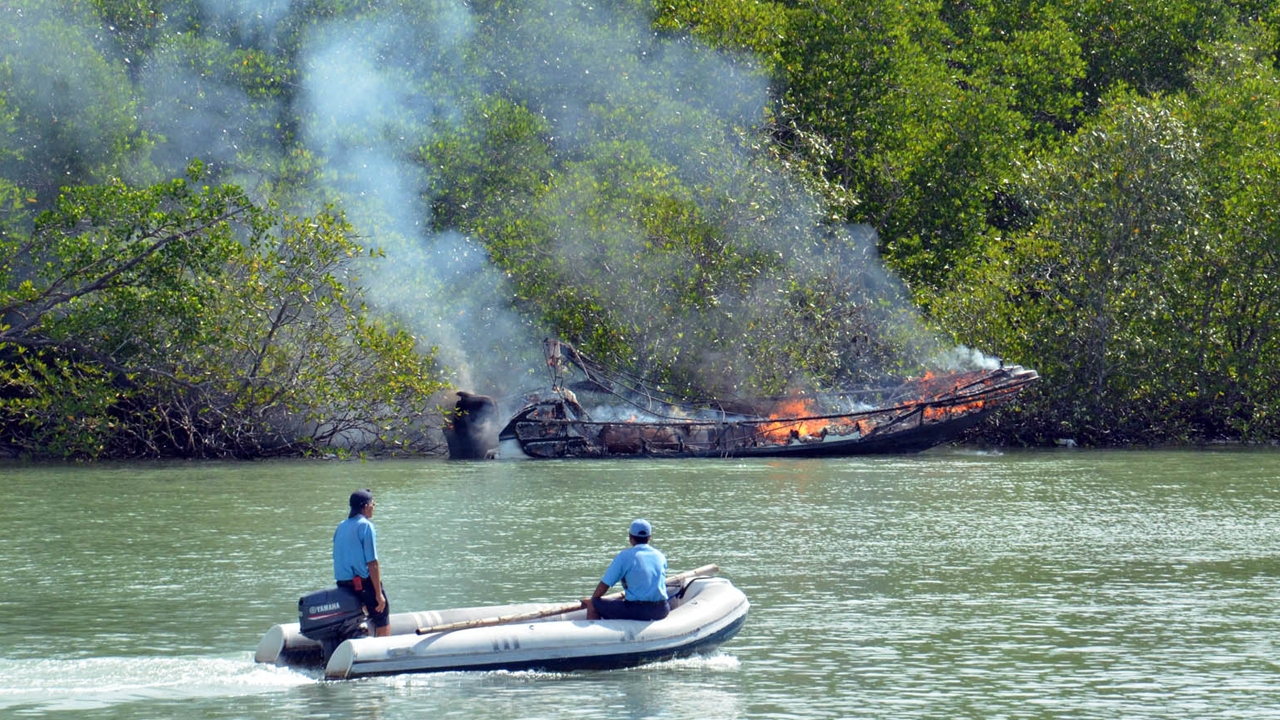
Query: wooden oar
{"x": 502, "y": 619}
{"x": 554, "y": 609}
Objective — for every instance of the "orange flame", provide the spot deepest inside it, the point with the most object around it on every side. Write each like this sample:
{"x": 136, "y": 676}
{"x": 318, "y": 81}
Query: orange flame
{"x": 790, "y": 425}
{"x": 793, "y": 419}
{"x": 943, "y": 412}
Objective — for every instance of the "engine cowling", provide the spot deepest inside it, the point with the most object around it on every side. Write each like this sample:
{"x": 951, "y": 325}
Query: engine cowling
{"x": 330, "y": 616}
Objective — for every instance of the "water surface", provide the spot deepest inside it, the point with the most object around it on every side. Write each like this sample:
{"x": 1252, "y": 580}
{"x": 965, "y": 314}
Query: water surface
{"x": 1064, "y": 584}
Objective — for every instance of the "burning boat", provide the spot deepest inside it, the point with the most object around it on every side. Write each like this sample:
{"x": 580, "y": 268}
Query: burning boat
{"x": 630, "y": 417}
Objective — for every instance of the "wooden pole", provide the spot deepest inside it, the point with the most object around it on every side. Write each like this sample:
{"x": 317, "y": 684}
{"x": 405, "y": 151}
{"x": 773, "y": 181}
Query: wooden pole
{"x": 553, "y": 610}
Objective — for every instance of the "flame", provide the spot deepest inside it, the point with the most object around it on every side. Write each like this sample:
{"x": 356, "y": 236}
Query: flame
{"x": 795, "y": 419}
{"x": 791, "y": 423}
{"x": 943, "y": 412}
{"x": 795, "y": 407}
{"x": 954, "y": 384}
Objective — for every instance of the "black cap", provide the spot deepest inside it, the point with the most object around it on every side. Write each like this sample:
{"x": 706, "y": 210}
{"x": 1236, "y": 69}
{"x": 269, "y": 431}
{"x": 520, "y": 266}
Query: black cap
{"x": 358, "y": 500}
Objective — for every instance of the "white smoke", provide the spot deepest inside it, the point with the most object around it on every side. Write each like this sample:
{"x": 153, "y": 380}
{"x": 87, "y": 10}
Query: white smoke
{"x": 366, "y": 112}
{"x": 249, "y": 16}
{"x": 375, "y": 89}
{"x": 961, "y": 357}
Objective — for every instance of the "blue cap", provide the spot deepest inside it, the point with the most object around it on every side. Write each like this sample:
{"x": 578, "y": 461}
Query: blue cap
{"x": 641, "y": 528}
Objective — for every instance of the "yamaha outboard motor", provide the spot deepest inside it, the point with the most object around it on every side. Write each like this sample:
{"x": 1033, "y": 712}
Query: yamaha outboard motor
{"x": 330, "y": 616}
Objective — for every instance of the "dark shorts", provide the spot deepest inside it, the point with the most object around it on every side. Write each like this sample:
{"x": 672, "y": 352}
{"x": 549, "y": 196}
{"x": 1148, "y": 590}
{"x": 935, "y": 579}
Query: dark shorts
{"x": 621, "y": 609}
{"x": 370, "y": 601}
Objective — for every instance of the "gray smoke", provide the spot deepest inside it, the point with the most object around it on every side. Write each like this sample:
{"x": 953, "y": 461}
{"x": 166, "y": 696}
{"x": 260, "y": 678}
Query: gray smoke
{"x": 374, "y": 90}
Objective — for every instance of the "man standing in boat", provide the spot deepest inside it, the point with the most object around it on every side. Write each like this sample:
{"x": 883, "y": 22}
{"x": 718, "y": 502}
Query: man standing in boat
{"x": 642, "y": 569}
{"x": 355, "y": 560}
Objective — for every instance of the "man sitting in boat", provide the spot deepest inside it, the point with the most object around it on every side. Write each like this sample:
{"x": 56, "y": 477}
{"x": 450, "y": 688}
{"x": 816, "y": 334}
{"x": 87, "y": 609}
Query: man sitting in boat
{"x": 642, "y": 569}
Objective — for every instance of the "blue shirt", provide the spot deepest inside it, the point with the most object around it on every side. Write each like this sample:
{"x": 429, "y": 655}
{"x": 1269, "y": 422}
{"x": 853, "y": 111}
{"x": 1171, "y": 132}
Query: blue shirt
{"x": 355, "y": 545}
{"x": 643, "y": 572}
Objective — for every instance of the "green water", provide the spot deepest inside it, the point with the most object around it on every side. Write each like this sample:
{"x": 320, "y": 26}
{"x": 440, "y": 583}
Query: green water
{"x": 1063, "y": 584}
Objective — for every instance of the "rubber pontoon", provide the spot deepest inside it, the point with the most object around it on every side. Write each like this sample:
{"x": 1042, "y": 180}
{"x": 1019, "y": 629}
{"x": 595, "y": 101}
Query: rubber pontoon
{"x": 705, "y": 612}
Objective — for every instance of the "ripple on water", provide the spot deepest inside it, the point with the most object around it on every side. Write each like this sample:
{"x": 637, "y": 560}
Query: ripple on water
{"x": 1043, "y": 585}
{"x": 96, "y": 683}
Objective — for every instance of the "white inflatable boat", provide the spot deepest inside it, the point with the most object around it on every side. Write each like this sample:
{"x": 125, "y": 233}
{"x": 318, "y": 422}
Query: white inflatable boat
{"x": 705, "y": 612}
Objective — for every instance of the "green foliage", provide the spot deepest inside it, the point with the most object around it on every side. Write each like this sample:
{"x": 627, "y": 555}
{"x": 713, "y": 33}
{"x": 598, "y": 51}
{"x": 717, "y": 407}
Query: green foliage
{"x": 184, "y": 321}
{"x": 497, "y": 158}
{"x": 72, "y": 107}
{"x": 1230, "y": 380}
{"x": 1023, "y": 55}
{"x": 1118, "y": 293}
{"x": 137, "y": 25}
{"x": 201, "y": 92}
{"x": 923, "y": 118}
{"x": 293, "y": 361}
{"x": 52, "y": 406}
{"x": 750, "y": 25}
{"x": 1145, "y": 44}
{"x": 701, "y": 191}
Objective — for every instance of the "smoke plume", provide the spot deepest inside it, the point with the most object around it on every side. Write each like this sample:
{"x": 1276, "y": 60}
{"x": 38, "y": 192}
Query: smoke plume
{"x": 373, "y": 90}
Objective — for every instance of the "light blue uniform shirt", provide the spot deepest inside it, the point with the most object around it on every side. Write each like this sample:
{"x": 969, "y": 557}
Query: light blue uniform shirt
{"x": 355, "y": 545}
{"x": 643, "y": 572}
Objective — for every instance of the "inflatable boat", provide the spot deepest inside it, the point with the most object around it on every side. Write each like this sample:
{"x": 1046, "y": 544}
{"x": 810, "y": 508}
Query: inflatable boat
{"x": 705, "y": 612}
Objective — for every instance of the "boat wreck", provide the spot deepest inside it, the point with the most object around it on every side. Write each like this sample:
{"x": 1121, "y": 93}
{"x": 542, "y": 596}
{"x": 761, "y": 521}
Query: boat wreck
{"x": 630, "y": 417}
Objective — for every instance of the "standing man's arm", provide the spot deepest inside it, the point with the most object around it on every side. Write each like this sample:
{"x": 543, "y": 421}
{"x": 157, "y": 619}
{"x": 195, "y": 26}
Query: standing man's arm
{"x": 375, "y": 577}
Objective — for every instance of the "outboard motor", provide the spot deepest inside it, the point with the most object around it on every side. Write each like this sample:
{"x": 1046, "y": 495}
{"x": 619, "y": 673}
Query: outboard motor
{"x": 330, "y": 616}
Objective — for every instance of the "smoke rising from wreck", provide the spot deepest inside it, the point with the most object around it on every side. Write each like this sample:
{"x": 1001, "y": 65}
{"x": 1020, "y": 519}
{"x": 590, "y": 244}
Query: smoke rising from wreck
{"x": 373, "y": 91}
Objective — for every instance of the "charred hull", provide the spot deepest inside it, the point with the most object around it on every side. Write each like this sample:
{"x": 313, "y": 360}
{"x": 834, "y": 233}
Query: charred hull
{"x": 471, "y": 431}
{"x": 911, "y": 418}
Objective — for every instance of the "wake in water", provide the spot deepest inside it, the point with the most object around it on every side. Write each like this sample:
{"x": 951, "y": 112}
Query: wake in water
{"x": 96, "y": 683}
{"x": 715, "y": 662}
{"x": 62, "y": 685}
